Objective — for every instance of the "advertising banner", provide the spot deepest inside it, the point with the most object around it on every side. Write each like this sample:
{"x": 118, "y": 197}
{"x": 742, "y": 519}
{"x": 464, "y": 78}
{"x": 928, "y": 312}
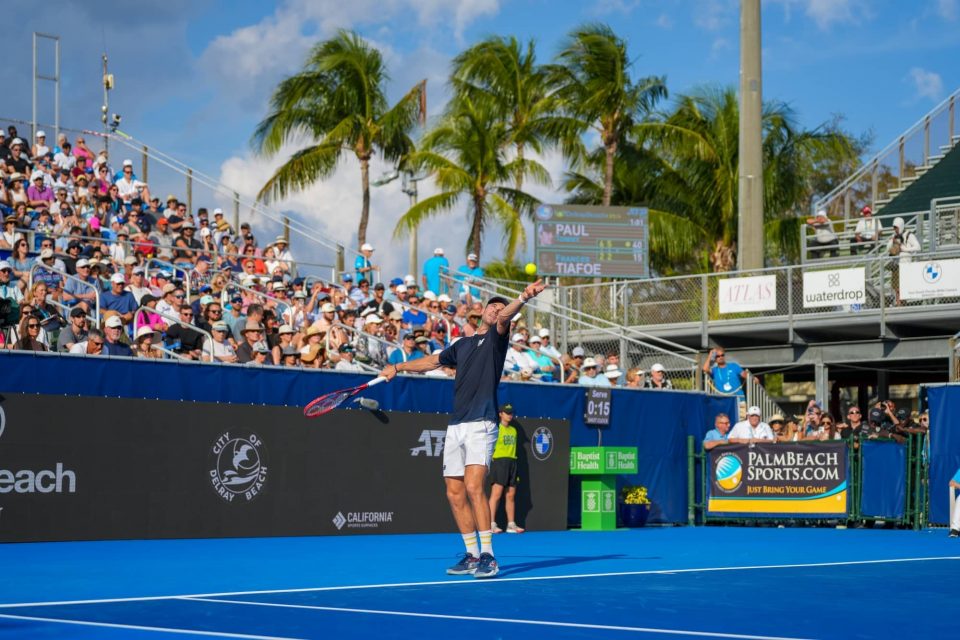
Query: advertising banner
{"x": 756, "y": 293}
{"x": 834, "y": 287}
{"x": 778, "y": 479}
{"x": 80, "y": 468}
{"x": 930, "y": 279}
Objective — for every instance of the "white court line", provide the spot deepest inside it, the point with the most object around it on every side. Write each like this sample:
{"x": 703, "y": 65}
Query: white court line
{"x": 476, "y": 582}
{"x": 541, "y": 623}
{"x": 217, "y": 634}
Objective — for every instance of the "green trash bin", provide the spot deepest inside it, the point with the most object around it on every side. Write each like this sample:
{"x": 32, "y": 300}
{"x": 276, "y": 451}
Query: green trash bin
{"x": 600, "y": 467}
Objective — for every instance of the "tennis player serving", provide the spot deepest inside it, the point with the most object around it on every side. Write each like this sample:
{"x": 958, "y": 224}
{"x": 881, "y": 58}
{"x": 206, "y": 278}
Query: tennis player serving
{"x": 472, "y": 433}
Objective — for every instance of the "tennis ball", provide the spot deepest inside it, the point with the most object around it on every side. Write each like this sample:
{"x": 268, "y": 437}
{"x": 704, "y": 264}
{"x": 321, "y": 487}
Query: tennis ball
{"x": 531, "y": 268}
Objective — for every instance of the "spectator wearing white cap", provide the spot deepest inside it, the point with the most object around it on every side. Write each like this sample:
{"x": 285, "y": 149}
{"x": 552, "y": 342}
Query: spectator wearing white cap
{"x": 546, "y": 346}
{"x": 432, "y": 270}
{"x": 83, "y": 289}
{"x": 285, "y": 335}
{"x": 282, "y": 254}
{"x": 119, "y": 300}
{"x": 752, "y": 429}
{"x": 467, "y": 274}
{"x": 363, "y": 265}
{"x": 39, "y": 193}
{"x": 128, "y": 187}
{"x": 40, "y": 149}
{"x": 904, "y": 244}
{"x": 112, "y": 332}
{"x": 546, "y": 366}
{"x": 589, "y": 377}
{"x": 370, "y": 346}
{"x": 658, "y": 378}
{"x": 17, "y": 162}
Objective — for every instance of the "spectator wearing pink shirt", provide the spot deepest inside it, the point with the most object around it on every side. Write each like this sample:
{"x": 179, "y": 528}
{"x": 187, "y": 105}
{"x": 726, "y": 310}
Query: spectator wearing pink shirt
{"x": 39, "y": 195}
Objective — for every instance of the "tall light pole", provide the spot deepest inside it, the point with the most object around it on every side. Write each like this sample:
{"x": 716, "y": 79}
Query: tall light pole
{"x": 750, "y": 195}
{"x": 104, "y": 110}
{"x": 409, "y": 182}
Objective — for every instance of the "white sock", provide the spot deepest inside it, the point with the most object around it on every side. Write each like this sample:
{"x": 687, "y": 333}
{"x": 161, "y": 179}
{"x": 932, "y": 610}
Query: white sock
{"x": 470, "y": 542}
{"x": 486, "y": 542}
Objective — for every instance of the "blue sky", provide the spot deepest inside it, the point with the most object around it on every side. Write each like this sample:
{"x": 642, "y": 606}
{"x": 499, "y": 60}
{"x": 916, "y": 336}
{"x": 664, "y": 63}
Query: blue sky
{"x": 193, "y": 76}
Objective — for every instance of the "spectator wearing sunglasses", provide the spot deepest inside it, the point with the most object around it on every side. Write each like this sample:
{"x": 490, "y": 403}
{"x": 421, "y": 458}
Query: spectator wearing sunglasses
{"x": 92, "y": 346}
{"x": 853, "y": 427}
{"x": 29, "y": 335}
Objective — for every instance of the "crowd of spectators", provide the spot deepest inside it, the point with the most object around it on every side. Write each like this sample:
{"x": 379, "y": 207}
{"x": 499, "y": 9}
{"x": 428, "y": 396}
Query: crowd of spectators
{"x": 98, "y": 265}
{"x": 883, "y": 421}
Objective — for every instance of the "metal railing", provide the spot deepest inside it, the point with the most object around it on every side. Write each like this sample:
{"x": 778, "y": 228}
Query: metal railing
{"x": 754, "y": 394}
{"x": 174, "y": 320}
{"x": 890, "y": 170}
{"x": 66, "y": 276}
{"x": 846, "y": 243}
{"x": 665, "y": 304}
{"x": 538, "y": 375}
{"x": 570, "y": 326}
{"x": 945, "y": 223}
{"x": 174, "y": 270}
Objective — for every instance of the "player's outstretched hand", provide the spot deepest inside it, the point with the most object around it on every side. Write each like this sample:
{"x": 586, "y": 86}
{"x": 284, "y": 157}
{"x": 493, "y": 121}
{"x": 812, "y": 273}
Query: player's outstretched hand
{"x": 534, "y": 289}
{"x": 388, "y": 372}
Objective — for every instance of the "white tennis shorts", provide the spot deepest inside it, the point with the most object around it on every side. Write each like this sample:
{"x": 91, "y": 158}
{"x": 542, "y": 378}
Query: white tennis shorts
{"x": 468, "y": 443}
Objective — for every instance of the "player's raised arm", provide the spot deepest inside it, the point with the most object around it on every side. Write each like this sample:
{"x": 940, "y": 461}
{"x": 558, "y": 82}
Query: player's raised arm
{"x": 506, "y": 314}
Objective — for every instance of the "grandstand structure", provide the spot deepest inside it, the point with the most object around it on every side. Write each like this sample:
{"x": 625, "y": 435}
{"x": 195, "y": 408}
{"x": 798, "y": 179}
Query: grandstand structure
{"x": 673, "y": 321}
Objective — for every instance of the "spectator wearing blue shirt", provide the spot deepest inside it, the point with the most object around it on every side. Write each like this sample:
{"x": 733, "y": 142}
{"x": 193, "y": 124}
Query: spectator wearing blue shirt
{"x": 466, "y": 274}
{"x": 589, "y": 377}
{"x": 119, "y": 300}
{"x": 728, "y": 377}
{"x": 720, "y": 432}
{"x": 111, "y": 344}
{"x": 76, "y": 293}
{"x": 955, "y": 508}
{"x": 432, "y": 269}
{"x": 408, "y": 350}
{"x": 363, "y": 265}
{"x": 413, "y": 315}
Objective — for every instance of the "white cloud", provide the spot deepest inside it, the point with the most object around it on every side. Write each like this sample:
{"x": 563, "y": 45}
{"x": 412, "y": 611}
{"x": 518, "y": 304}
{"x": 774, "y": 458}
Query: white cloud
{"x": 714, "y": 15}
{"x": 948, "y": 9}
{"x": 927, "y": 84}
{"x": 826, "y": 13}
{"x": 664, "y": 21}
{"x": 606, "y": 7}
{"x": 718, "y": 46}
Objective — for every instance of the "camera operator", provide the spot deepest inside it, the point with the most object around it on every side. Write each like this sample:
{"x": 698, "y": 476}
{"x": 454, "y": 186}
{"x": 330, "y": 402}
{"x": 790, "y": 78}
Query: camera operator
{"x": 906, "y": 425}
{"x": 876, "y": 425}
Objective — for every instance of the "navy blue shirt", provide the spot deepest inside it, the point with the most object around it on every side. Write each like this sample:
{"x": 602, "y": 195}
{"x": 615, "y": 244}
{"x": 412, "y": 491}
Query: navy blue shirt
{"x": 116, "y": 349}
{"x": 479, "y": 364}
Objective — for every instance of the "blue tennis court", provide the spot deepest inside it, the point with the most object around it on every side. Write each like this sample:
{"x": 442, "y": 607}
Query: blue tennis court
{"x": 654, "y": 582}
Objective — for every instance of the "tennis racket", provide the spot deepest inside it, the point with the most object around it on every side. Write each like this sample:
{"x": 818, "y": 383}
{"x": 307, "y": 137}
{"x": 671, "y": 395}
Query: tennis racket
{"x": 330, "y": 401}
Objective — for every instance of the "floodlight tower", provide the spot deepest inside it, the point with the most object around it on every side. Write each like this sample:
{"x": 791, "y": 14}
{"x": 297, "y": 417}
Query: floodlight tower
{"x": 750, "y": 196}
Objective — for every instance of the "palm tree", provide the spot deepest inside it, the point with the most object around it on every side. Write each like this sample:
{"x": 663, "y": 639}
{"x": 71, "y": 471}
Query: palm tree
{"x": 465, "y": 152}
{"x": 698, "y": 149}
{"x": 336, "y": 103}
{"x": 503, "y": 76}
{"x": 595, "y": 87}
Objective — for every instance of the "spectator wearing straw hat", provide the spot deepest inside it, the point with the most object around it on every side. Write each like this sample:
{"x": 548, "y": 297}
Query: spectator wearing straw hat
{"x": 363, "y": 265}
{"x": 613, "y": 374}
{"x": 589, "y": 377}
{"x": 752, "y": 429}
{"x": 658, "y": 378}
{"x": 432, "y": 270}
{"x": 253, "y": 333}
{"x": 144, "y": 343}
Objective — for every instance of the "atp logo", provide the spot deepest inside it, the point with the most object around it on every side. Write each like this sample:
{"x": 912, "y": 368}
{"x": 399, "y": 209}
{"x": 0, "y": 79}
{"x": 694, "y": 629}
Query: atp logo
{"x": 932, "y": 272}
{"x": 431, "y": 443}
{"x": 729, "y": 472}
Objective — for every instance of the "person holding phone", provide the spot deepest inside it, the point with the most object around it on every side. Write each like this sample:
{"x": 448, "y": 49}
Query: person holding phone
{"x": 728, "y": 376}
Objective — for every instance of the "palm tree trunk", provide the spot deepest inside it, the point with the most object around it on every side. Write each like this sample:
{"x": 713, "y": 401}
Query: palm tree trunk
{"x": 519, "y": 178}
{"x": 475, "y": 231}
{"x": 365, "y": 210}
{"x": 611, "y": 150}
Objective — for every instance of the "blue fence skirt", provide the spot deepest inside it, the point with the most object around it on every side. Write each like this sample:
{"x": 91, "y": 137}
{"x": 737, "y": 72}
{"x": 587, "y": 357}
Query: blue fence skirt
{"x": 656, "y": 422}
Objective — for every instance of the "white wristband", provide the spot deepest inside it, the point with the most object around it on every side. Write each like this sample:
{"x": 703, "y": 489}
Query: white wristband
{"x": 522, "y": 299}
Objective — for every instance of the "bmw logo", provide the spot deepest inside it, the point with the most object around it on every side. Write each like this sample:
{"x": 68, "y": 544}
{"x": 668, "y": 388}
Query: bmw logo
{"x": 542, "y": 444}
{"x": 728, "y": 472}
{"x": 932, "y": 272}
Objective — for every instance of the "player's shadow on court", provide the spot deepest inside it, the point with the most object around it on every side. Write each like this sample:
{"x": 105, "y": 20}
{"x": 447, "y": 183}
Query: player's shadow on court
{"x": 509, "y": 568}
